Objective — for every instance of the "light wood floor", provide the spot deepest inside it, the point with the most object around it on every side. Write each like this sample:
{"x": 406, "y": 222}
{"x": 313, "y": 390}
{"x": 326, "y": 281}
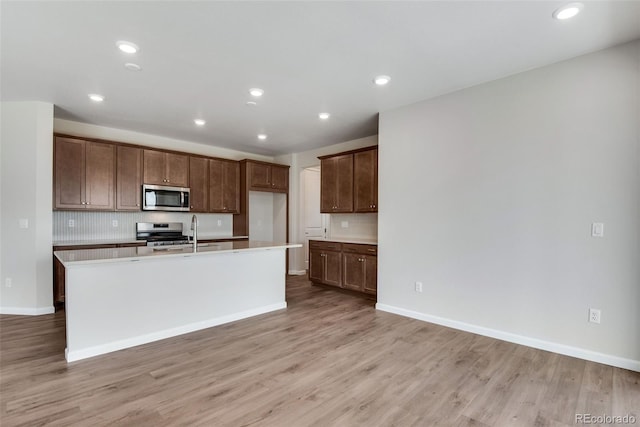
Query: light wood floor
{"x": 328, "y": 360}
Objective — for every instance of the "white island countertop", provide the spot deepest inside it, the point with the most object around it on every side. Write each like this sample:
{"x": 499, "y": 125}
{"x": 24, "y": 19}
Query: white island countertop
{"x": 107, "y": 255}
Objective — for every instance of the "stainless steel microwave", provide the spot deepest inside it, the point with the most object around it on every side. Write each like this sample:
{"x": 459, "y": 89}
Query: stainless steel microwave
{"x": 164, "y": 198}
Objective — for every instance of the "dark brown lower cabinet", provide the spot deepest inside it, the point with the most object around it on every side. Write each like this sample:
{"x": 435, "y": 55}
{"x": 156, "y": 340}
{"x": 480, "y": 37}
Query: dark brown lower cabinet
{"x": 345, "y": 265}
{"x": 324, "y": 263}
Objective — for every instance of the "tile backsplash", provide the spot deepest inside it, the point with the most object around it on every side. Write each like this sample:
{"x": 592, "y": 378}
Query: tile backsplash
{"x": 100, "y": 225}
{"x": 360, "y": 226}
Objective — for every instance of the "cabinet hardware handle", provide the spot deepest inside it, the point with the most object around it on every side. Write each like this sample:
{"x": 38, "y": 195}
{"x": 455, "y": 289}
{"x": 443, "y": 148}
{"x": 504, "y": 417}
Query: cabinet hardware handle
{"x": 371, "y": 250}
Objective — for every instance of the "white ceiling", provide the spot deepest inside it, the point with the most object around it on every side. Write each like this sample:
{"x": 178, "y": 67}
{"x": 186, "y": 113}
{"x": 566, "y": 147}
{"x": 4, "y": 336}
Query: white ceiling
{"x": 200, "y": 58}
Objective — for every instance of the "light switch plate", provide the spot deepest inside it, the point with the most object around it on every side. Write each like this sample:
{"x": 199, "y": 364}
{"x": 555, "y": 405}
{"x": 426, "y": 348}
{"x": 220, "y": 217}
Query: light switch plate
{"x": 114, "y": 223}
{"x": 23, "y": 223}
{"x": 597, "y": 229}
{"x": 72, "y": 223}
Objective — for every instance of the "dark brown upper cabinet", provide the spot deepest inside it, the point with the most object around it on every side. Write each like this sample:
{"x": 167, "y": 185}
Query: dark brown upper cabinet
{"x": 199, "y": 184}
{"x": 349, "y": 181}
{"x": 162, "y": 168}
{"x": 268, "y": 177}
{"x": 224, "y": 186}
{"x": 365, "y": 181}
{"x": 128, "y": 178}
{"x": 84, "y": 174}
{"x": 336, "y": 184}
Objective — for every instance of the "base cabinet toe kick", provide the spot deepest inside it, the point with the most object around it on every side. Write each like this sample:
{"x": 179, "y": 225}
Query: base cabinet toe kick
{"x": 116, "y": 304}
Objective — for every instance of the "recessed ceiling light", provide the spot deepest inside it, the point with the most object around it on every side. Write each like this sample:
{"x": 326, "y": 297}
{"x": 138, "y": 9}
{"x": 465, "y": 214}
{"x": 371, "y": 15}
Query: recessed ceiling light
{"x": 382, "y": 80}
{"x": 324, "y": 116}
{"x": 132, "y": 67}
{"x": 262, "y": 136}
{"x": 199, "y": 122}
{"x": 96, "y": 97}
{"x": 127, "y": 47}
{"x": 256, "y": 92}
{"x": 252, "y": 103}
{"x": 568, "y": 11}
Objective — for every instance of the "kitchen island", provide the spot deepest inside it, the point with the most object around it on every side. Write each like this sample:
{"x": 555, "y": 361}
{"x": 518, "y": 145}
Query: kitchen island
{"x": 118, "y": 298}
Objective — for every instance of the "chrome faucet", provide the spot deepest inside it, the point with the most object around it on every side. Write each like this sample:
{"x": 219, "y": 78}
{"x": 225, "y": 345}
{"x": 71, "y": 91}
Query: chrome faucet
{"x": 194, "y": 227}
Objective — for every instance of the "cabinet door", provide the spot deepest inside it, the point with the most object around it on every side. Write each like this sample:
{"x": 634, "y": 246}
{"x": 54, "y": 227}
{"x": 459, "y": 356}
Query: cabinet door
{"x": 231, "y": 187}
{"x": 177, "y": 170}
{"x": 224, "y": 186}
{"x": 100, "y": 167}
{"x": 69, "y": 174}
{"x": 216, "y": 202}
{"x": 259, "y": 175}
{"x": 344, "y": 190}
{"x": 316, "y": 265}
{"x": 365, "y": 176}
{"x": 128, "y": 178}
{"x": 154, "y": 167}
{"x": 279, "y": 178}
{"x": 333, "y": 268}
{"x": 353, "y": 271}
{"x": 199, "y": 184}
{"x": 370, "y": 284}
{"x": 336, "y": 184}
{"x": 328, "y": 184}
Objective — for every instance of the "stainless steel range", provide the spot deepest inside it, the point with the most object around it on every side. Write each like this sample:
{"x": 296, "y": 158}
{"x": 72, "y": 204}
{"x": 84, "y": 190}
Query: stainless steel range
{"x": 161, "y": 233}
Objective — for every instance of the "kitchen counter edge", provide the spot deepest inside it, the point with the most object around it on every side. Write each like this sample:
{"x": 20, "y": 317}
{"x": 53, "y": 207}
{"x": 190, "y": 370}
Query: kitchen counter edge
{"x": 76, "y": 257}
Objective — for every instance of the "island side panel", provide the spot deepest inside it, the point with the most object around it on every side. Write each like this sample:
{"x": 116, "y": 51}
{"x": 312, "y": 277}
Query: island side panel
{"x": 116, "y": 305}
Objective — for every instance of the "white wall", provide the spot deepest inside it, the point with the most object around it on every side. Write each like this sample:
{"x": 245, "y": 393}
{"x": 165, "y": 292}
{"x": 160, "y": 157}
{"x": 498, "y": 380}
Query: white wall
{"x": 354, "y": 225}
{"x": 27, "y": 156}
{"x": 299, "y": 162}
{"x": 267, "y": 216}
{"x": 487, "y": 196}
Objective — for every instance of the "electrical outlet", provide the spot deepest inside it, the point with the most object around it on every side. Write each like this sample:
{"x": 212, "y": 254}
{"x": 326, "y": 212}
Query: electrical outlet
{"x": 114, "y": 223}
{"x": 418, "y": 286}
{"x": 345, "y": 224}
{"x": 219, "y": 223}
{"x": 597, "y": 229}
{"x": 72, "y": 223}
{"x": 23, "y": 223}
{"x": 594, "y": 315}
{"x": 8, "y": 282}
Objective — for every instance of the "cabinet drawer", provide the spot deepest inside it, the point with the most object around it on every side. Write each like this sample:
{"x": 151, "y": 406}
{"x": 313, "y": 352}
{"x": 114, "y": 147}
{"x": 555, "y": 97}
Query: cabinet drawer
{"x": 326, "y": 246}
{"x": 360, "y": 249}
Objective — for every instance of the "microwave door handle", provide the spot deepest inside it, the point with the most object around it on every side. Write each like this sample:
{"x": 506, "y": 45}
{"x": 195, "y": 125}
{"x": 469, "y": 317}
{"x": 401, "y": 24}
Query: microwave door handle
{"x": 182, "y": 198}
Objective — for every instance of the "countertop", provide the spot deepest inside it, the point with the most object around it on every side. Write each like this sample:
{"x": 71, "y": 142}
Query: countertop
{"x": 346, "y": 240}
{"x": 203, "y": 236}
{"x": 95, "y": 256}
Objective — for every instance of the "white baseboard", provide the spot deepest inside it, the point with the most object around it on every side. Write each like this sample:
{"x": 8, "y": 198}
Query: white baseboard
{"x": 27, "y": 311}
{"x": 168, "y": 333}
{"x": 580, "y": 353}
{"x": 297, "y": 272}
